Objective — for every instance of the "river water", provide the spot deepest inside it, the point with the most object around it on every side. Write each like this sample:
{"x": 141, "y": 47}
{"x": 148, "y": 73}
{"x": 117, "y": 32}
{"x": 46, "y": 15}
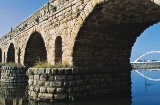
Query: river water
{"x": 145, "y": 91}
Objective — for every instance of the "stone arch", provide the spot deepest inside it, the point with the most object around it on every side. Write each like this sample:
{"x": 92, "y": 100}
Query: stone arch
{"x": 35, "y": 50}
{"x": 0, "y": 55}
{"x": 106, "y": 37}
{"x": 58, "y": 50}
{"x": 11, "y": 53}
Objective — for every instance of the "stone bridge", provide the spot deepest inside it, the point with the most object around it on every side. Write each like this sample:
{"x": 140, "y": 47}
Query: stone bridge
{"x": 84, "y": 33}
{"x": 87, "y": 34}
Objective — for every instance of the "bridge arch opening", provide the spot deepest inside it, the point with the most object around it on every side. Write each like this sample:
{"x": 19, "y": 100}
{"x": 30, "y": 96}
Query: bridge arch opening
{"x": 58, "y": 50}
{"x": 146, "y": 46}
{"x": 104, "y": 43}
{"x": 35, "y": 50}
{"x": 4, "y": 57}
{"x": 19, "y": 55}
{"x": 11, "y": 53}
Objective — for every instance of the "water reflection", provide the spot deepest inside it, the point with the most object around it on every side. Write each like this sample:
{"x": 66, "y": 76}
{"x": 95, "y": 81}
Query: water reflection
{"x": 13, "y": 93}
{"x": 145, "y": 87}
{"x": 145, "y": 91}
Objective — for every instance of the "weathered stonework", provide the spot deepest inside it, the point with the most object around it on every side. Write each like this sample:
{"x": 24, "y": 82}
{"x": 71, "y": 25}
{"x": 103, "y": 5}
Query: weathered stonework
{"x": 13, "y": 74}
{"x": 68, "y": 84}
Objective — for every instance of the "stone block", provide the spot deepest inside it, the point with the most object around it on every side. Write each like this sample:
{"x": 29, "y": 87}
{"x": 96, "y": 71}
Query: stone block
{"x": 60, "y": 96}
{"x": 36, "y": 77}
{"x": 68, "y": 70}
{"x": 37, "y": 89}
{"x": 60, "y": 71}
{"x": 80, "y": 82}
{"x": 30, "y": 81}
{"x": 31, "y": 88}
{"x": 50, "y": 90}
{"x": 65, "y": 84}
{"x": 43, "y": 77}
{"x": 31, "y": 76}
{"x": 35, "y": 82}
{"x": 43, "y": 89}
{"x": 60, "y": 90}
{"x": 47, "y": 83}
{"x": 41, "y": 83}
{"x": 46, "y": 96}
{"x": 34, "y": 94}
{"x": 56, "y": 84}
{"x": 72, "y": 83}
{"x": 48, "y": 71}
{"x": 54, "y": 71}
{"x": 69, "y": 77}
{"x": 51, "y": 78}
{"x": 76, "y": 89}
{"x": 75, "y": 71}
{"x": 77, "y": 77}
{"x": 59, "y": 77}
{"x": 41, "y": 71}
{"x": 35, "y": 70}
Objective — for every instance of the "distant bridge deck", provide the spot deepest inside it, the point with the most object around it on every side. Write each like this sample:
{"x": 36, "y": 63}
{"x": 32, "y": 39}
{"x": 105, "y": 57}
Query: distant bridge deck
{"x": 145, "y": 62}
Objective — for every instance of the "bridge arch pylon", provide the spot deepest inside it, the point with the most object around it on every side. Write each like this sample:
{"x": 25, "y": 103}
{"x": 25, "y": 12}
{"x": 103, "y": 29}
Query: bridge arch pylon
{"x": 150, "y": 52}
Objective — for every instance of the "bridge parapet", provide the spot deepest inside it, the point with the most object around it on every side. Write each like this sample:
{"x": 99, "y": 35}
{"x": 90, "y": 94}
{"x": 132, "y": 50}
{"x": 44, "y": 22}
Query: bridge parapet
{"x": 58, "y": 9}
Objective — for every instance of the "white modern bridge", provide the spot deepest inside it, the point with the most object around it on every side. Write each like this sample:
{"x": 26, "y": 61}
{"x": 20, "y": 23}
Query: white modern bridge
{"x": 156, "y": 59}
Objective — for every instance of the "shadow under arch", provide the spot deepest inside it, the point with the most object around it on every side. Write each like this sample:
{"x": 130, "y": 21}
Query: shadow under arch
{"x": 58, "y": 50}
{"x": 35, "y": 50}
{"x": 11, "y": 53}
{"x": 105, "y": 40}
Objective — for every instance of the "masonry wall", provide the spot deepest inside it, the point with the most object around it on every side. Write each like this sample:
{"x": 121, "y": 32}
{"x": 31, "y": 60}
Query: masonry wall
{"x": 12, "y": 74}
{"x": 75, "y": 83}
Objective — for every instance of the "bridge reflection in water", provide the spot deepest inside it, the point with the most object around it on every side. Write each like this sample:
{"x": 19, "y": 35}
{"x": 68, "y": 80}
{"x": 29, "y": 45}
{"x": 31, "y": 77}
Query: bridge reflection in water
{"x": 145, "y": 87}
{"x": 145, "y": 91}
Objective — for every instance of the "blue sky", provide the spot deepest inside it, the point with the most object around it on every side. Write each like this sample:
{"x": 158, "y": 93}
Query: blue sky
{"x": 149, "y": 40}
{"x": 13, "y": 12}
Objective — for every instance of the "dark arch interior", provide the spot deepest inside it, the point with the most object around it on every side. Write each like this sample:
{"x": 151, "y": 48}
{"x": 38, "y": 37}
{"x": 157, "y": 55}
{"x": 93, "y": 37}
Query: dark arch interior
{"x": 108, "y": 34}
{"x": 35, "y": 50}
{"x": 19, "y": 54}
{"x": 0, "y": 55}
{"x": 11, "y": 53}
{"x": 58, "y": 50}
{"x": 104, "y": 43}
{"x": 4, "y": 57}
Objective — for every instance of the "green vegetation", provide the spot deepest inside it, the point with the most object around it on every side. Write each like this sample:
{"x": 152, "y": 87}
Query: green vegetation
{"x": 54, "y": 8}
{"x": 11, "y": 64}
{"x": 29, "y": 72}
{"x": 41, "y": 64}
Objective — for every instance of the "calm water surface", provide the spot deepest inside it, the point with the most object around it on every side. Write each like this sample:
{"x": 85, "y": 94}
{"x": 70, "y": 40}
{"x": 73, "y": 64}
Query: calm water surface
{"x": 145, "y": 91}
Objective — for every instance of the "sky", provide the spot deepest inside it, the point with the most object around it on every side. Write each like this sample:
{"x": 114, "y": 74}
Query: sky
{"x": 148, "y": 41}
{"x": 13, "y": 12}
